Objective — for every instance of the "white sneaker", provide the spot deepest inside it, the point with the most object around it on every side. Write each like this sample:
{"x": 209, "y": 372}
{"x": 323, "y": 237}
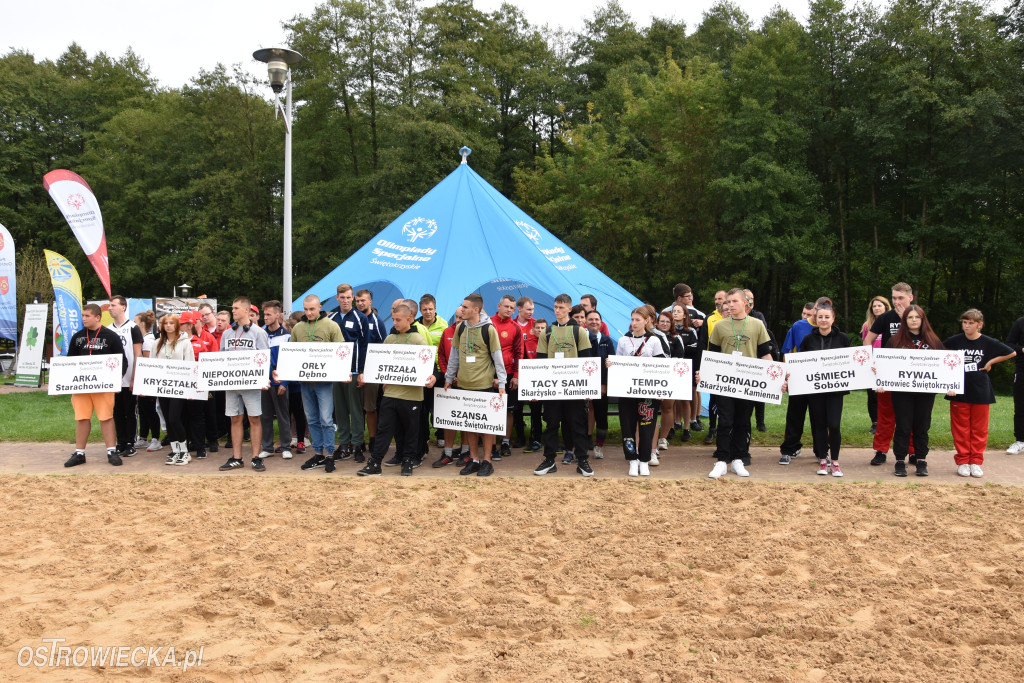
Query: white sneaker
{"x": 182, "y": 458}
{"x": 737, "y": 467}
{"x": 1015, "y": 447}
{"x": 634, "y": 468}
{"x": 645, "y": 471}
{"x": 266, "y": 454}
{"x": 171, "y": 457}
{"x": 286, "y": 455}
{"x": 718, "y": 470}
{"x": 440, "y": 443}
{"x": 141, "y": 443}
{"x": 663, "y": 444}
{"x": 976, "y": 471}
{"x": 964, "y": 470}
{"x": 599, "y": 452}
{"x": 154, "y": 445}
{"x": 654, "y": 459}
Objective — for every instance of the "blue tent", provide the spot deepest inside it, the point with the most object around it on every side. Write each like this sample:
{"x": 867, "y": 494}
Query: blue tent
{"x": 464, "y": 236}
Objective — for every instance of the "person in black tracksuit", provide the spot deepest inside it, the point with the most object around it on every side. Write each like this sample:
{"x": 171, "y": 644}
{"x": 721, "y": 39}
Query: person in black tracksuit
{"x": 601, "y": 346}
{"x": 826, "y": 408}
{"x": 1015, "y": 341}
{"x": 912, "y": 411}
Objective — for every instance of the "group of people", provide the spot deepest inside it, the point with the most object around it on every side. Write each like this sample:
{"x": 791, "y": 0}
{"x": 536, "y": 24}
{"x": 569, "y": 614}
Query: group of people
{"x": 478, "y": 351}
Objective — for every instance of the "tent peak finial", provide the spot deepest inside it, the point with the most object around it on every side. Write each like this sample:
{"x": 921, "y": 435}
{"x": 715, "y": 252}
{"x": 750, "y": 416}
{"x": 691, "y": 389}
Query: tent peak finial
{"x": 465, "y": 152}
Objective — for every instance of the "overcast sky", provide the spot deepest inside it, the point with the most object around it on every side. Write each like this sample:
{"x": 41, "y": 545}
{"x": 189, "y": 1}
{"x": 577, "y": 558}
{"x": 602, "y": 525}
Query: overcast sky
{"x": 177, "y": 39}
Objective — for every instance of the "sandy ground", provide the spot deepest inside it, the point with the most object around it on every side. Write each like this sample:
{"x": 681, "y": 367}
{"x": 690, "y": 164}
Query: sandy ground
{"x": 295, "y": 575}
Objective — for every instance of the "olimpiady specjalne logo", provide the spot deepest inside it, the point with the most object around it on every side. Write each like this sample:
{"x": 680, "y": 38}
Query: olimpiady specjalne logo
{"x": 681, "y": 368}
{"x": 497, "y": 403}
{"x": 76, "y": 201}
{"x": 113, "y": 363}
{"x": 774, "y": 371}
{"x": 342, "y": 352}
{"x": 861, "y": 356}
{"x": 419, "y": 228}
{"x": 531, "y": 232}
{"x": 590, "y": 367}
{"x": 951, "y": 361}
{"x": 425, "y": 355}
{"x": 260, "y": 359}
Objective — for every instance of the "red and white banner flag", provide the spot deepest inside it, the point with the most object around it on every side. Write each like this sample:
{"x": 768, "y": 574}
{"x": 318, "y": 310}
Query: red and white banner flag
{"x": 77, "y": 202}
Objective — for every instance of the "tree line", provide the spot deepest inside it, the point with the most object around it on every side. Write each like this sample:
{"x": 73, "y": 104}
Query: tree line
{"x": 832, "y": 157}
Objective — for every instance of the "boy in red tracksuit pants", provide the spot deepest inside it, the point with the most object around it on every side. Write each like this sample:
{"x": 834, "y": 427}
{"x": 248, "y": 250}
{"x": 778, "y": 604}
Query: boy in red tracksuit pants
{"x": 886, "y": 326}
{"x": 968, "y": 412}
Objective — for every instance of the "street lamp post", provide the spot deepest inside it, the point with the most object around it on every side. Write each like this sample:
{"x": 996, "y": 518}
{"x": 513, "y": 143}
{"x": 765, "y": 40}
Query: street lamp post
{"x": 278, "y": 59}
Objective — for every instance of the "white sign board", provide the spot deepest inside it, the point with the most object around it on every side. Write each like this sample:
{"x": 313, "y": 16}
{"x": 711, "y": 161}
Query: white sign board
{"x": 314, "y": 361}
{"x": 661, "y": 378}
{"x": 561, "y": 379}
{"x": 234, "y": 370}
{"x": 816, "y": 372}
{"x": 752, "y": 379}
{"x": 85, "y": 374}
{"x": 33, "y": 339}
{"x": 399, "y": 364}
{"x": 481, "y": 412}
{"x": 170, "y": 378}
{"x": 919, "y": 370}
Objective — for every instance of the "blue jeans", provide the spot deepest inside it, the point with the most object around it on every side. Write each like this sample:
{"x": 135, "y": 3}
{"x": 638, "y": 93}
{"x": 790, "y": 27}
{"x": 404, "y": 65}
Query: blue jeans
{"x": 318, "y": 402}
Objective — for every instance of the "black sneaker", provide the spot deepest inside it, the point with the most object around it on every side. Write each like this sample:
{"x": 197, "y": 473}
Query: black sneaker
{"x": 341, "y": 453}
{"x": 471, "y": 467}
{"x": 232, "y": 464}
{"x": 127, "y": 452}
{"x": 486, "y": 469}
{"x": 201, "y": 454}
{"x": 584, "y": 468}
{"x": 569, "y": 458}
{"x": 762, "y": 427}
{"x": 407, "y": 468}
{"x": 228, "y": 445}
{"x": 359, "y": 454}
{"x": 505, "y": 450}
{"x": 697, "y": 426}
{"x": 328, "y": 465}
{"x": 545, "y": 467}
{"x": 443, "y": 461}
{"x": 784, "y": 459}
{"x": 317, "y": 460}
{"x": 393, "y": 462}
{"x": 372, "y": 469}
{"x": 922, "y": 468}
{"x": 912, "y": 459}
{"x": 879, "y": 459}
{"x": 874, "y": 428}
{"x": 533, "y": 447}
{"x": 710, "y": 438}
{"x": 901, "y": 469}
{"x": 212, "y": 446}
{"x": 245, "y": 437}
{"x": 671, "y": 433}
{"x": 416, "y": 462}
{"x": 257, "y": 464}
{"x": 113, "y": 458}
{"x": 75, "y": 459}
{"x": 686, "y": 436}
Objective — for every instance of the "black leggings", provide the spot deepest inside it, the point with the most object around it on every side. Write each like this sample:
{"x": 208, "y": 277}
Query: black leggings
{"x": 638, "y": 414}
{"x": 873, "y": 406}
{"x": 298, "y": 414}
{"x": 913, "y": 414}
{"x": 173, "y": 408}
{"x": 826, "y": 416}
{"x": 149, "y": 421}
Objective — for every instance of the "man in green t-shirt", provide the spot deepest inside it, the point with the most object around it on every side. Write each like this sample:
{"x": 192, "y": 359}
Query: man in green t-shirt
{"x": 399, "y": 412}
{"x": 737, "y": 334}
{"x": 476, "y": 362}
{"x": 565, "y": 339}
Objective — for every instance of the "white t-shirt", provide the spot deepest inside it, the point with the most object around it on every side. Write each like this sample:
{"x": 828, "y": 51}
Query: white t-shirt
{"x": 130, "y": 335}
